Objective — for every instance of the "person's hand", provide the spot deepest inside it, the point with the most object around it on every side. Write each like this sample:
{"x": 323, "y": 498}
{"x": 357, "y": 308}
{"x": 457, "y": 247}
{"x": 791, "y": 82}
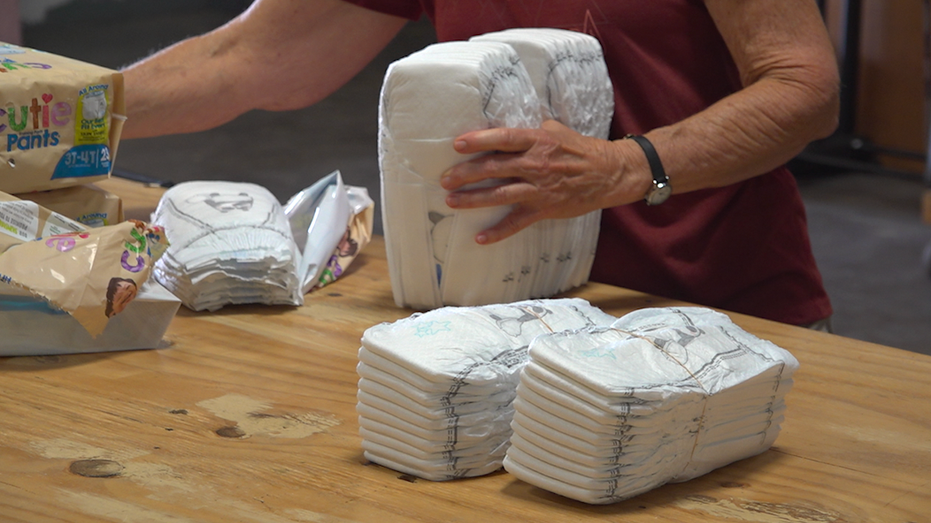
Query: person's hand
{"x": 551, "y": 172}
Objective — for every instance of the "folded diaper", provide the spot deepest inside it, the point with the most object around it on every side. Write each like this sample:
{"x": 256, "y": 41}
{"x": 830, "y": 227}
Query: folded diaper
{"x": 663, "y": 395}
{"x": 436, "y": 389}
{"x": 436, "y": 94}
{"x": 230, "y": 243}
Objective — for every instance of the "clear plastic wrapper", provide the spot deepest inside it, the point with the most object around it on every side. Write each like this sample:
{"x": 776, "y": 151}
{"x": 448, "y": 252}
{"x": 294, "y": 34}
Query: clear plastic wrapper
{"x": 317, "y": 215}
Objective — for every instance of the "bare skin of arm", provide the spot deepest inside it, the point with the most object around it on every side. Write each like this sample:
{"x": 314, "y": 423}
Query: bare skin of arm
{"x": 278, "y": 55}
{"x": 790, "y": 97}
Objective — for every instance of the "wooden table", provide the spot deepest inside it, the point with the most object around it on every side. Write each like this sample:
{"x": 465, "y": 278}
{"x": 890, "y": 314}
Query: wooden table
{"x": 249, "y": 417}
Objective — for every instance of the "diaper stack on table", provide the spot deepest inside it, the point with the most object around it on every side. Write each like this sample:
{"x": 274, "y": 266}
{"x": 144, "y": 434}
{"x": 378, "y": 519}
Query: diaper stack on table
{"x": 664, "y": 395}
{"x": 512, "y": 79}
{"x": 436, "y": 389}
{"x": 230, "y": 243}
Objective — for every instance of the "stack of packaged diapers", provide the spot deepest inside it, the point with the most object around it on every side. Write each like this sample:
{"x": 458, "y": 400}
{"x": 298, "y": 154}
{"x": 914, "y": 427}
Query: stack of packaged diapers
{"x": 516, "y": 79}
{"x": 436, "y": 389}
{"x": 663, "y": 395}
{"x": 60, "y": 129}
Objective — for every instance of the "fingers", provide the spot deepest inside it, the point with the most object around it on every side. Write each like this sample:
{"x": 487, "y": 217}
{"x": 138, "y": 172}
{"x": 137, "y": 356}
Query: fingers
{"x": 539, "y": 172}
{"x": 490, "y": 166}
{"x": 509, "y": 153}
{"x": 498, "y": 139}
{"x": 506, "y": 151}
{"x": 513, "y": 223}
{"x": 507, "y": 194}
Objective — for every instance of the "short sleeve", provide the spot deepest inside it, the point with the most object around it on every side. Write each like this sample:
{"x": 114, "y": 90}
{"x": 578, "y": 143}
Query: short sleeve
{"x": 410, "y": 9}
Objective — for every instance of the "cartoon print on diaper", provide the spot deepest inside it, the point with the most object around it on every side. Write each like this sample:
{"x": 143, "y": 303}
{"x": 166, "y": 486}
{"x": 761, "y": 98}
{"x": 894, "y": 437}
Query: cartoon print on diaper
{"x": 217, "y": 209}
{"x": 94, "y": 106}
{"x": 514, "y": 325}
{"x": 432, "y": 328}
{"x": 674, "y": 340}
{"x": 601, "y": 351}
{"x": 233, "y": 204}
{"x": 92, "y": 127}
{"x": 524, "y": 272}
{"x": 225, "y": 203}
{"x": 439, "y": 235}
{"x": 686, "y": 335}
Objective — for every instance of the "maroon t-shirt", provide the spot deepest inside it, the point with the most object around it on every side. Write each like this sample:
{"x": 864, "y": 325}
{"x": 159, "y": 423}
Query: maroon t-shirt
{"x": 742, "y": 248}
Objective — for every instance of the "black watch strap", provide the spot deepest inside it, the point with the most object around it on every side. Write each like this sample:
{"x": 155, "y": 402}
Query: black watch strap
{"x": 660, "y": 179}
{"x": 656, "y": 166}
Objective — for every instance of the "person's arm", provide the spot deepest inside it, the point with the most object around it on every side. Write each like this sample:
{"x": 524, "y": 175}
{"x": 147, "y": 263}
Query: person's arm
{"x": 278, "y": 55}
{"x": 790, "y": 97}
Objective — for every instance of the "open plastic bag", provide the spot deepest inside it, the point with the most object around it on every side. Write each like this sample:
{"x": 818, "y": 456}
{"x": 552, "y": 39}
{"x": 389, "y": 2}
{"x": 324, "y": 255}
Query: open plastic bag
{"x": 91, "y": 274}
{"x": 331, "y": 223}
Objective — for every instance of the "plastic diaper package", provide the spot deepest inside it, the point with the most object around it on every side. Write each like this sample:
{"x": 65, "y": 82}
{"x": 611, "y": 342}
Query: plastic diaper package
{"x": 316, "y": 215}
{"x": 60, "y": 121}
{"x": 91, "y": 274}
{"x": 86, "y": 204}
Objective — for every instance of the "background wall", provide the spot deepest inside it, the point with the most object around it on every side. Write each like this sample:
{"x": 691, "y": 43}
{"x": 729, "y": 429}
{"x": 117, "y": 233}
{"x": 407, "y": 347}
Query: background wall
{"x": 10, "y": 26}
{"x": 33, "y": 11}
{"x": 891, "y": 107}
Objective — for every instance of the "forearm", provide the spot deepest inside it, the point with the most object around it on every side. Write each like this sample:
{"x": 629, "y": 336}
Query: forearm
{"x": 180, "y": 89}
{"x": 789, "y": 98}
{"x": 279, "y": 55}
{"x": 747, "y": 134}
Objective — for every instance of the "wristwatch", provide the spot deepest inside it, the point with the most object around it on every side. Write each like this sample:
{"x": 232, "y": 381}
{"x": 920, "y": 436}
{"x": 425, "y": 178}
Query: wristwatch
{"x": 661, "y": 188}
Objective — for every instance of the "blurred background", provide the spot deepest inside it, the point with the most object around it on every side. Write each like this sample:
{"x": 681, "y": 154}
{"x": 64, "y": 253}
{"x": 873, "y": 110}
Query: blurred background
{"x": 863, "y": 187}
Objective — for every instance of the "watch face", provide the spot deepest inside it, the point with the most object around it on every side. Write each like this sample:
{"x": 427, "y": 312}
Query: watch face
{"x": 658, "y": 194}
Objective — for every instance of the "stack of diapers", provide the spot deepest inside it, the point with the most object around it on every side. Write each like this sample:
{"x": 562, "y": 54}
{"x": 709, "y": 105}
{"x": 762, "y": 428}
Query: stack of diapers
{"x": 231, "y": 243}
{"x": 663, "y": 395}
{"x": 436, "y": 389}
{"x": 511, "y": 79}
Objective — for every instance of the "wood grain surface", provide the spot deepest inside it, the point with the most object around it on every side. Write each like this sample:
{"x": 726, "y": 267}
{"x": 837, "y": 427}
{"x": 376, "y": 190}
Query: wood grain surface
{"x": 249, "y": 416}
